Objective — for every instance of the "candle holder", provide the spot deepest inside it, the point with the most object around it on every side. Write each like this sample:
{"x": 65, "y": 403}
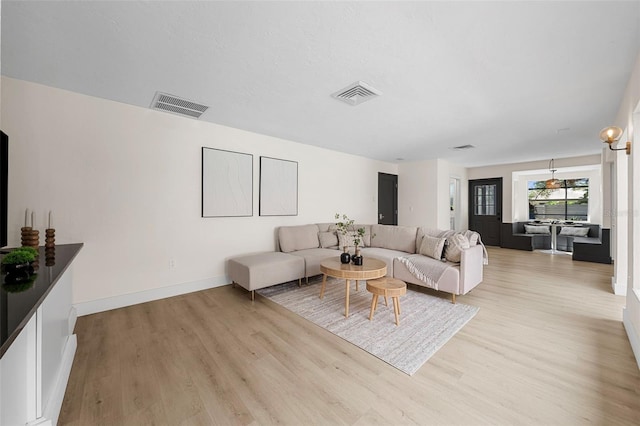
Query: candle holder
{"x": 25, "y": 233}
{"x": 30, "y": 237}
{"x": 49, "y": 238}
{"x": 50, "y": 247}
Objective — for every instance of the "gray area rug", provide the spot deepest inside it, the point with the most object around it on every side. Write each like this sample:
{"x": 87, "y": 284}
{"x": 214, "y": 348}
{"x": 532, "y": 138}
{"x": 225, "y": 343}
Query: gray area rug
{"x": 426, "y": 322}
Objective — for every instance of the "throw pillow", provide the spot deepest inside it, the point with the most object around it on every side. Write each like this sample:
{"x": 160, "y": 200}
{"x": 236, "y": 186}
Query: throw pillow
{"x": 432, "y": 247}
{"x": 328, "y": 239}
{"x": 455, "y": 244}
{"x": 366, "y": 238}
{"x": 474, "y": 237}
{"x": 575, "y": 231}
{"x": 537, "y": 229}
{"x": 345, "y": 241}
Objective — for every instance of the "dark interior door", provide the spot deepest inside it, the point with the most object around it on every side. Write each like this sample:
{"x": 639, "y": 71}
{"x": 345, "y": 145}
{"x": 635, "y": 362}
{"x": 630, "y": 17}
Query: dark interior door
{"x": 485, "y": 209}
{"x": 387, "y": 199}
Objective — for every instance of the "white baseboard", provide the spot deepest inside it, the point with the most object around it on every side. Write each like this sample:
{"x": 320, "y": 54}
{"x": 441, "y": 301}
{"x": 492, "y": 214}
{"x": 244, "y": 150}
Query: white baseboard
{"x": 101, "y": 305}
{"x": 40, "y": 422}
{"x": 632, "y": 333}
{"x": 619, "y": 289}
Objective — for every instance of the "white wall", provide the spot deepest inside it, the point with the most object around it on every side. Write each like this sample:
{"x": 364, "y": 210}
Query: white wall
{"x": 126, "y": 181}
{"x": 629, "y": 118}
{"x": 417, "y": 193}
{"x": 512, "y": 208}
{"x": 423, "y": 193}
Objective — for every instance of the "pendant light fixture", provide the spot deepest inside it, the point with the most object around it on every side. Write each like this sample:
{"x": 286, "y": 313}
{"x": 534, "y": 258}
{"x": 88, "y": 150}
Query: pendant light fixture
{"x": 552, "y": 183}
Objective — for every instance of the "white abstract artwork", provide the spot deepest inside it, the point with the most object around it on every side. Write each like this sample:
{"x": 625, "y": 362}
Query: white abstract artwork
{"x": 227, "y": 183}
{"x": 278, "y": 187}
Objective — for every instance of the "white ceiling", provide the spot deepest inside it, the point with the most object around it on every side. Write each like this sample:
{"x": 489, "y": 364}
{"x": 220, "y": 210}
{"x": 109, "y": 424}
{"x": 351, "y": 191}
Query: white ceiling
{"x": 521, "y": 81}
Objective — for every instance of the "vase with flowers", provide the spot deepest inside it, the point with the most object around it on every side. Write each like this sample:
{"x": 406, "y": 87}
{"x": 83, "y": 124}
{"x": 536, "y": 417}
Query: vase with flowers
{"x": 358, "y": 235}
{"x": 346, "y": 227}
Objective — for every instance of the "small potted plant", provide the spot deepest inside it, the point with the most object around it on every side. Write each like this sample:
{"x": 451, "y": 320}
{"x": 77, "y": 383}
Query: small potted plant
{"x": 27, "y": 249}
{"x": 345, "y": 227}
{"x": 358, "y": 235}
{"x": 19, "y": 260}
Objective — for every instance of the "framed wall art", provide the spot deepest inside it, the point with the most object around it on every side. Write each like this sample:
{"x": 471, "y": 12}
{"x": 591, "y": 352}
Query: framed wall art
{"x": 278, "y": 187}
{"x": 227, "y": 183}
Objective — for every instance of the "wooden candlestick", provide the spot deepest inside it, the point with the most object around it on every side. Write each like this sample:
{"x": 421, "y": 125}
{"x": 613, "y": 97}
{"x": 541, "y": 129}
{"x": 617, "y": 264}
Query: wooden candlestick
{"x": 49, "y": 237}
{"x": 25, "y": 229}
{"x": 30, "y": 237}
{"x": 50, "y": 247}
{"x": 27, "y": 236}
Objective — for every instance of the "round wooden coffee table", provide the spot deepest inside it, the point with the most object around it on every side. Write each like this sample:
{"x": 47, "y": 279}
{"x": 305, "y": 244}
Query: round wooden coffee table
{"x": 370, "y": 269}
{"x": 387, "y": 287}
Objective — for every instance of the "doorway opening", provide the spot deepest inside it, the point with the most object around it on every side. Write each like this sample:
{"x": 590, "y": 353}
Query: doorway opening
{"x": 454, "y": 203}
{"x": 387, "y": 199}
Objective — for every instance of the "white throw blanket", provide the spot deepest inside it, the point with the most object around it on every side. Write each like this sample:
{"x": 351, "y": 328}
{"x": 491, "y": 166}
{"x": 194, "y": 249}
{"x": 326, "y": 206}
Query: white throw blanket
{"x": 468, "y": 234}
{"x": 429, "y": 270}
{"x": 426, "y": 269}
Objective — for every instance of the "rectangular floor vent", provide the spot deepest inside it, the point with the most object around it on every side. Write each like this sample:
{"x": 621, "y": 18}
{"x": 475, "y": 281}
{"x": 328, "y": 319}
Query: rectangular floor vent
{"x": 176, "y": 105}
{"x": 357, "y": 93}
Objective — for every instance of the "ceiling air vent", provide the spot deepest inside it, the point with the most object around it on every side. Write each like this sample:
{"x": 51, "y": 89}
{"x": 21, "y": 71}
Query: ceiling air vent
{"x": 176, "y": 105}
{"x": 462, "y": 147}
{"x": 357, "y": 93}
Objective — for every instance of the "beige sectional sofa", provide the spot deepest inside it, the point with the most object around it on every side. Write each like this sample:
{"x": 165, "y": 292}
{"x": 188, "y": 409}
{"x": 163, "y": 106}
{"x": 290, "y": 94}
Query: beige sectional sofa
{"x": 397, "y": 246}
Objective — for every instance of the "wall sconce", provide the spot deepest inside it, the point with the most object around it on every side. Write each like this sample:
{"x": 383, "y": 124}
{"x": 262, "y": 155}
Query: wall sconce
{"x": 611, "y": 135}
{"x": 552, "y": 183}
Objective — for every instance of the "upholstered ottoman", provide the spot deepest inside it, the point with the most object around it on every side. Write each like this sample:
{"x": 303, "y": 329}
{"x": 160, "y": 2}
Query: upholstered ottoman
{"x": 256, "y": 271}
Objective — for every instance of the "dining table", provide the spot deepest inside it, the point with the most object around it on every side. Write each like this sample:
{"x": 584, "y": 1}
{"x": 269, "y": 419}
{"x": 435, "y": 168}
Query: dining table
{"x": 554, "y": 234}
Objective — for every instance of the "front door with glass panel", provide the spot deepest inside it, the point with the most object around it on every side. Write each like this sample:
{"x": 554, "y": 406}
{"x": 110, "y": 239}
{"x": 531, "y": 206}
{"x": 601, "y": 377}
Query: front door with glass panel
{"x": 485, "y": 209}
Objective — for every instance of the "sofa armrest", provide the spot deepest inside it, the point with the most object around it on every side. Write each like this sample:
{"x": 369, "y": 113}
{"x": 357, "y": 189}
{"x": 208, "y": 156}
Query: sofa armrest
{"x": 471, "y": 267}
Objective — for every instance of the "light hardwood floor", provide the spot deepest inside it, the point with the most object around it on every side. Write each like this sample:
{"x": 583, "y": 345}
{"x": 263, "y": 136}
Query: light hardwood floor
{"x": 546, "y": 348}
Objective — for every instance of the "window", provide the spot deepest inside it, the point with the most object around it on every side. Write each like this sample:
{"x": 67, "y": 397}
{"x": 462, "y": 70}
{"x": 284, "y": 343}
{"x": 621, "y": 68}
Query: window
{"x": 485, "y": 200}
{"x": 569, "y": 202}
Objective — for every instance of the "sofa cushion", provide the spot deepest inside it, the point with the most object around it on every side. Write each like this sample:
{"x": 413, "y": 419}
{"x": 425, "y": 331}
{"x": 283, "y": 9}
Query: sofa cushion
{"x": 455, "y": 244}
{"x": 428, "y": 231}
{"x": 402, "y": 238}
{"x": 324, "y": 227}
{"x": 575, "y": 231}
{"x": 432, "y": 246}
{"x": 328, "y": 239}
{"x": 537, "y": 229}
{"x": 385, "y": 255}
{"x": 255, "y": 271}
{"x": 313, "y": 257}
{"x": 292, "y": 238}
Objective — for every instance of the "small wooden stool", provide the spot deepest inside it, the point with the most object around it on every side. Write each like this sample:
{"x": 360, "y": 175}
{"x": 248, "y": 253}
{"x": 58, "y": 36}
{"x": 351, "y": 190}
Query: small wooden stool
{"x": 387, "y": 287}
